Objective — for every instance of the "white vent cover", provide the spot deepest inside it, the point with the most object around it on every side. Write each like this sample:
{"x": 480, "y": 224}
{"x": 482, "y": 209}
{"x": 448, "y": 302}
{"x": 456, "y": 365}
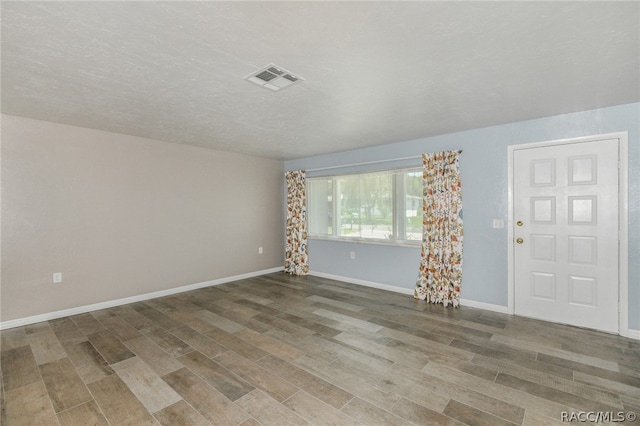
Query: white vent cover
{"x": 273, "y": 77}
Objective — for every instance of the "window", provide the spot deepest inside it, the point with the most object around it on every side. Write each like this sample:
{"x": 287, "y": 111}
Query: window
{"x": 380, "y": 206}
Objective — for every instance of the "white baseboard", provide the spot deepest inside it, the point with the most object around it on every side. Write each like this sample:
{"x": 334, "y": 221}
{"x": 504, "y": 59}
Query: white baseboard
{"x": 363, "y": 282}
{"x": 631, "y": 334}
{"x": 111, "y": 303}
{"x": 408, "y": 291}
{"x": 485, "y": 306}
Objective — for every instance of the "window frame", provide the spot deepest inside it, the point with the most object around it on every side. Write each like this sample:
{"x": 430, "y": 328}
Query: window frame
{"x": 399, "y": 204}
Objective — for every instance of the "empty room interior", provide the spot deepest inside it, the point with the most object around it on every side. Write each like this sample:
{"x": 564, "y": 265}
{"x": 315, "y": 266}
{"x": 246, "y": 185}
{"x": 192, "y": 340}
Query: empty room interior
{"x": 345, "y": 213}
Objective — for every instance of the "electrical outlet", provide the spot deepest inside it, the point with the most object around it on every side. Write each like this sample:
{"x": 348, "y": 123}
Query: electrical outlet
{"x": 57, "y": 277}
{"x": 259, "y": 250}
{"x": 353, "y": 255}
{"x": 498, "y": 223}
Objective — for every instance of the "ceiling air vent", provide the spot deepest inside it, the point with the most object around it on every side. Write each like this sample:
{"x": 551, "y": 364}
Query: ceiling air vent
{"x": 273, "y": 77}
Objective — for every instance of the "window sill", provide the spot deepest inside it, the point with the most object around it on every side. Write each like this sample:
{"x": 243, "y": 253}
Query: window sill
{"x": 373, "y": 241}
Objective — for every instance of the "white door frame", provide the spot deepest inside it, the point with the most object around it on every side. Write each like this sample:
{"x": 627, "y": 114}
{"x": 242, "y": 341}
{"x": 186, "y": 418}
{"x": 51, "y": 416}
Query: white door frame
{"x": 623, "y": 231}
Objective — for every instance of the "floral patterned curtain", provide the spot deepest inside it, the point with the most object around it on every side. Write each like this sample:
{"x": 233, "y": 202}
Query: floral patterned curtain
{"x": 296, "y": 259}
{"x": 441, "y": 259}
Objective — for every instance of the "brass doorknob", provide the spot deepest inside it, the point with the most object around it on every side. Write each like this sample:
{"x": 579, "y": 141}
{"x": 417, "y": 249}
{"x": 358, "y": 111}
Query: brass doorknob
{"x": 519, "y": 223}
{"x": 519, "y": 240}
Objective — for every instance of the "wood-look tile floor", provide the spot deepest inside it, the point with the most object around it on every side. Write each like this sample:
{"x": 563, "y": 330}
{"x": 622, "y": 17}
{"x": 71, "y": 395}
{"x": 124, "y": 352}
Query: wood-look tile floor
{"x": 279, "y": 350}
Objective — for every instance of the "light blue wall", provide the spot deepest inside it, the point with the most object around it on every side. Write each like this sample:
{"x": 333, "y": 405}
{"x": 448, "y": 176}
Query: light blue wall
{"x": 484, "y": 187}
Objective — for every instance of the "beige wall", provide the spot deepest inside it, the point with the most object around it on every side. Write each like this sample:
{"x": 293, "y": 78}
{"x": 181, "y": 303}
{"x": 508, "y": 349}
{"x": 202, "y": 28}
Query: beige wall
{"x": 122, "y": 216}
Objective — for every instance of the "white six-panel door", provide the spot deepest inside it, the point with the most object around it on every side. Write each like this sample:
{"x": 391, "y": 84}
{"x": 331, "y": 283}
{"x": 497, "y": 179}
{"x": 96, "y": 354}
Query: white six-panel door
{"x": 565, "y": 228}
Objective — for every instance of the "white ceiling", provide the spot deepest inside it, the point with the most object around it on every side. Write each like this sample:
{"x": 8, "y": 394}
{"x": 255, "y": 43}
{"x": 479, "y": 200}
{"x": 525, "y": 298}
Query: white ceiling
{"x": 374, "y": 72}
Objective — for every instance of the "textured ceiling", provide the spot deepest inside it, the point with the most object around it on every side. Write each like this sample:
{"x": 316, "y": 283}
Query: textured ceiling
{"x": 374, "y": 72}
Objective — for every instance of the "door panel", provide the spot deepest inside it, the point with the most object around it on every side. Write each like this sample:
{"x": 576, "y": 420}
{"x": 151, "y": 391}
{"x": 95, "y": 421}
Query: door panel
{"x": 566, "y": 233}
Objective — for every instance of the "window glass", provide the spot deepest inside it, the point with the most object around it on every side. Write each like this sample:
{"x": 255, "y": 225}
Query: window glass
{"x": 320, "y": 206}
{"x": 413, "y": 204}
{"x": 380, "y": 206}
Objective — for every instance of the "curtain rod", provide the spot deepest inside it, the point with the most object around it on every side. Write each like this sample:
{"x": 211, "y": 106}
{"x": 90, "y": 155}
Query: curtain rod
{"x": 367, "y": 162}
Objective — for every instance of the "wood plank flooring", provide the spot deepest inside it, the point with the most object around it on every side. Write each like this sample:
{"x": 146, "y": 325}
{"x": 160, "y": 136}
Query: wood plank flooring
{"x": 281, "y": 350}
